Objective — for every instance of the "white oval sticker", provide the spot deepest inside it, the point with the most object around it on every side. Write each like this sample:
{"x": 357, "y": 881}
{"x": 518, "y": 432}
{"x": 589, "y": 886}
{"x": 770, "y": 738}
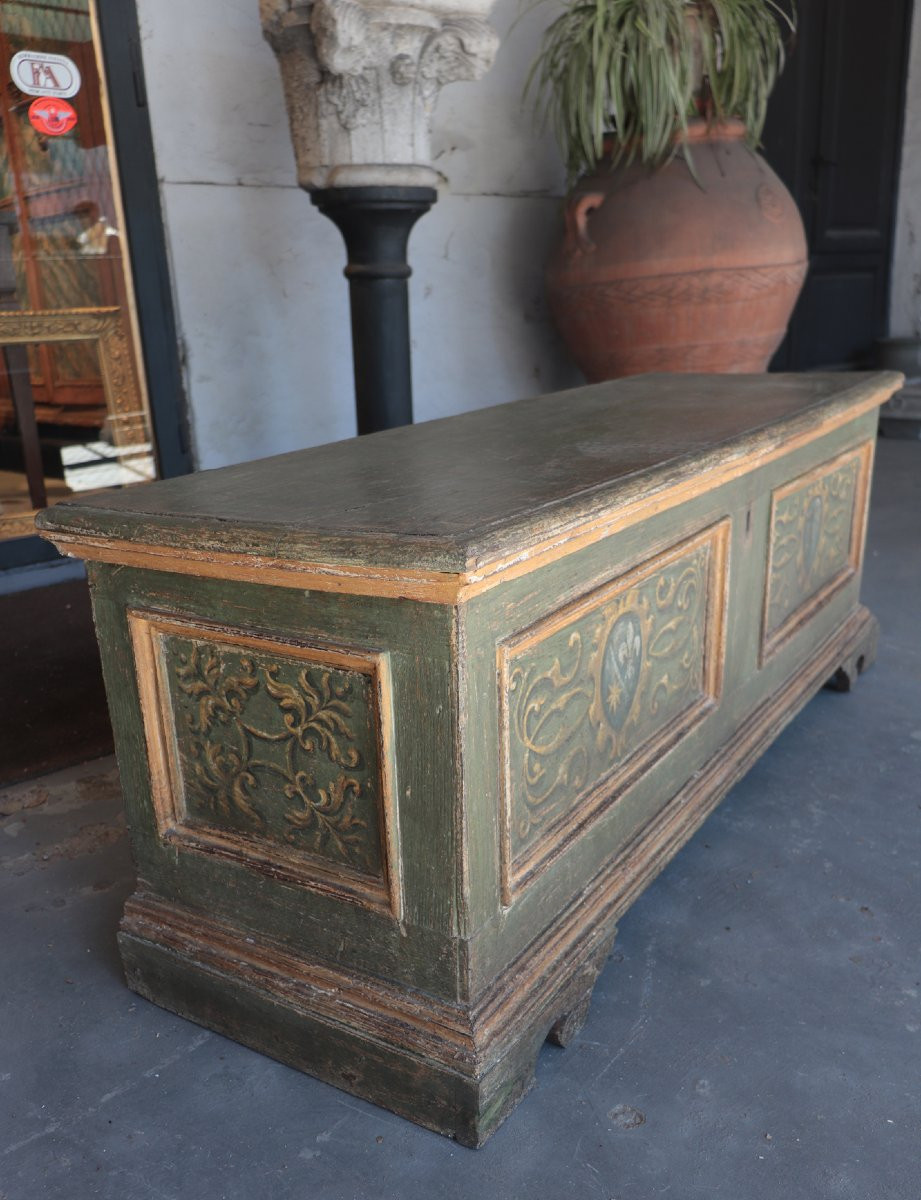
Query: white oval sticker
{"x": 39, "y": 74}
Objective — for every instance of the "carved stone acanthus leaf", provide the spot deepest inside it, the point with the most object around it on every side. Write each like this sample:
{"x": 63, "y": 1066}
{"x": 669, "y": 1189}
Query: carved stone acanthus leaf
{"x": 362, "y": 77}
{"x": 456, "y": 53}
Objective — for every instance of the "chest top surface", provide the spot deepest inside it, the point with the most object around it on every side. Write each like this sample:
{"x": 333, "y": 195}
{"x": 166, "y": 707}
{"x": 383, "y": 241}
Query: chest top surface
{"x": 448, "y": 494}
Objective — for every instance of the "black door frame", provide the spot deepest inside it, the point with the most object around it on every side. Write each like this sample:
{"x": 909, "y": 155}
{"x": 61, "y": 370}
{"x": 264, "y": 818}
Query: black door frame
{"x": 120, "y": 44}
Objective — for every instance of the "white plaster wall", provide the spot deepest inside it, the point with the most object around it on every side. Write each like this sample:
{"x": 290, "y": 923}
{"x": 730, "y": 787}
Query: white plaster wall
{"x": 261, "y": 303}
{"x": 905, "y": 294}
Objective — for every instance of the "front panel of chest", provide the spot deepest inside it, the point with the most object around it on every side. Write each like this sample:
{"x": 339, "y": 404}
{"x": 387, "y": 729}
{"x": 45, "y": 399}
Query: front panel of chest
{"x": 598, "y": 685}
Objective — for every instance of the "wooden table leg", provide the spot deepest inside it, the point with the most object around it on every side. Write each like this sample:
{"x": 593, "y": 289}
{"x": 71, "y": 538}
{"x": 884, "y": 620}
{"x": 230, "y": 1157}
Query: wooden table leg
{"x": 16, "y": 362}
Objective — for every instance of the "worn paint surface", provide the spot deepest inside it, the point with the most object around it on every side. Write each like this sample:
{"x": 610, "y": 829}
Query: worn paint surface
{"x": 601, "y": 686}
{"x": 480, "y": 939}
{"x": 483, "y": 489}
{"x": 816, "y": 536}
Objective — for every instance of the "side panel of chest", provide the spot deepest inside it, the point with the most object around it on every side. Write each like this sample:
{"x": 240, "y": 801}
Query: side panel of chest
{"x": 288, "y": 761}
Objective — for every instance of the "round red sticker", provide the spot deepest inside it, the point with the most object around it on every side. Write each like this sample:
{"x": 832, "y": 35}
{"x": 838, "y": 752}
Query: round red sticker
{"x": 52, "y": 116}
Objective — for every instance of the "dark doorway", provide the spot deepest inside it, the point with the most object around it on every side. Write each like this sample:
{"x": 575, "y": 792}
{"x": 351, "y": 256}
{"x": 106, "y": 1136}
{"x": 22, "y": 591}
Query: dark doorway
{"x": 834, "y": 135}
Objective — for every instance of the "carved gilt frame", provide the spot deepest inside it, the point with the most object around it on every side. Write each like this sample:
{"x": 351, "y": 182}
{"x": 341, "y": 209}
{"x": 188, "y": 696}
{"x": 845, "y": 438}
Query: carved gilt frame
{"x": 105, "y": 327}
{"x": 148, "y": 630}
{"x": 518, "y": 872}
{"x": 773, "y": 640}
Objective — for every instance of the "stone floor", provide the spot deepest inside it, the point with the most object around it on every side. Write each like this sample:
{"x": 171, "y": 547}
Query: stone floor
{"x": 755, "y": 1036}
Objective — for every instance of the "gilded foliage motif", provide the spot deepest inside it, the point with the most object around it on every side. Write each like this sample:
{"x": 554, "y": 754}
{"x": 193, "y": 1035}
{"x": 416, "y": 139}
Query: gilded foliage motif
{"x": 277, "y": 749}
{"x": 810, "y": 540}
{"x": 583, "y": 698}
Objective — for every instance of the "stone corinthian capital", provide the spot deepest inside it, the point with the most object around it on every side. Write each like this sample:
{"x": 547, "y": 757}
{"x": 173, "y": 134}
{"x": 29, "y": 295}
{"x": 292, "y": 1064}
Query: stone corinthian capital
{"x": 361, "y": 79}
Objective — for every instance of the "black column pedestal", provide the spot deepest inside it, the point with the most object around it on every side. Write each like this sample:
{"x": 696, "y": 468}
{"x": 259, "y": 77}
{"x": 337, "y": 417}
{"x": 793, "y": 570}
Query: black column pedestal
{"x": 376, "y": 223}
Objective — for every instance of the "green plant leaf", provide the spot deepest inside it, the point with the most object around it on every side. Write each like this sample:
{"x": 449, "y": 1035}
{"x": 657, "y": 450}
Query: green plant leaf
{"x": 641, "y": 68}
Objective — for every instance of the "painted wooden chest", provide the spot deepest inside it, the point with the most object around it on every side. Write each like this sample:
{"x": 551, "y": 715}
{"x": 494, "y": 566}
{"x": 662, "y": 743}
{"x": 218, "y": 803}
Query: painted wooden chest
{"x": 405, "y": 723}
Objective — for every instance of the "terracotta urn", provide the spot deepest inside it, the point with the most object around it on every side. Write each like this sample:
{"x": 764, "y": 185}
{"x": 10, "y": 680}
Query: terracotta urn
{"x": 658, "y": 271}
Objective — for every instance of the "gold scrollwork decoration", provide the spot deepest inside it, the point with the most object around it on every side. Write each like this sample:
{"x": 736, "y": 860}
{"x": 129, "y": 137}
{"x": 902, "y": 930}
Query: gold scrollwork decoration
{"x": 549, "y": 705}
{"x": 317, "y": 715}
{"x": 811, "y": 538}
{"x": 588, "y": 694}
{"x": 272, "y": 753}
{"x": 218, "y": 696}
{"x": 326, "y": 814}
{"x": 265, "y": 746}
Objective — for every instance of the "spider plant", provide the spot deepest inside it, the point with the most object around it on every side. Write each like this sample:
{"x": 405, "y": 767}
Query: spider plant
{"x": 640, "y": 69}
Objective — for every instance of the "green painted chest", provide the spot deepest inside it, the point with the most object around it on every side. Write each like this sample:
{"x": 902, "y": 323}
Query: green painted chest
{"x": 406, "y": 723}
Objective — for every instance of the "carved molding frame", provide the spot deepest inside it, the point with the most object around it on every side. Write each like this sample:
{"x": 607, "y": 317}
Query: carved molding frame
{"x": 311, "y": 871}
{"x": 772, "y": 641}
{"x": 517, "y": 873}
{"x": 106, "y": 328}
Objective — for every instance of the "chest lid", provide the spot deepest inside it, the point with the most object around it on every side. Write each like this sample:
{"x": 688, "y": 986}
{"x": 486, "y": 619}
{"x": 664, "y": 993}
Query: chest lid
{"x": 457, "y": 494}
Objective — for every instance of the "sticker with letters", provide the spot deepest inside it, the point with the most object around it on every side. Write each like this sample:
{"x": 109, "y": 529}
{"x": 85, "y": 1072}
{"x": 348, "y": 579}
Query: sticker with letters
{"x": 38, "y": 73}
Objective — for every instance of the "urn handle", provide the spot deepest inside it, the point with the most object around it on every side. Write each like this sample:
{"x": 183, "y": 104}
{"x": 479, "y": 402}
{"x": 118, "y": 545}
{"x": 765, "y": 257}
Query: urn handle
{"x": 578, "y": 210}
